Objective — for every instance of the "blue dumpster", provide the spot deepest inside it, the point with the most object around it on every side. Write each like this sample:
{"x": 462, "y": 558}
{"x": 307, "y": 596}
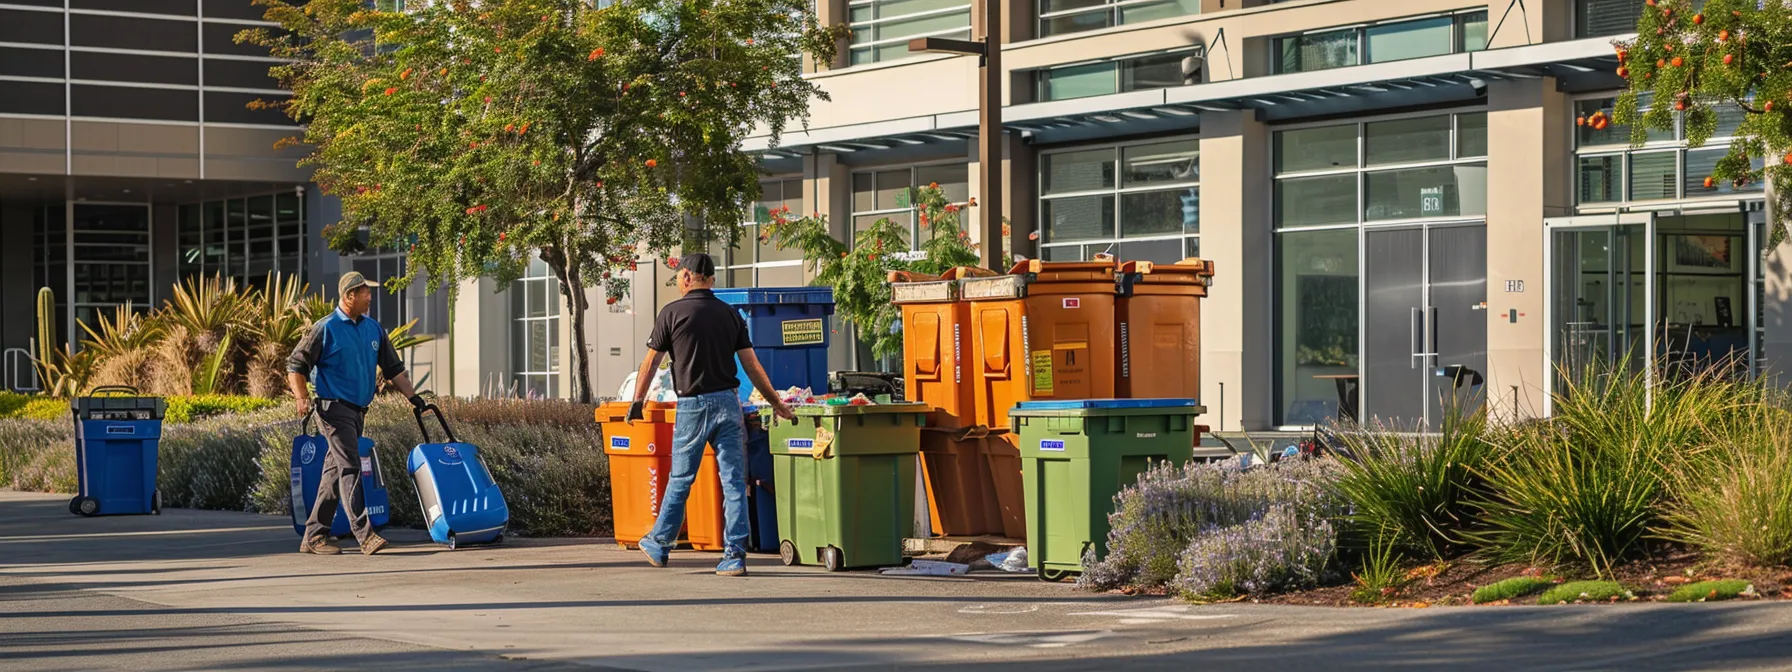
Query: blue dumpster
{"x": 790, "y": 328}
{"x": 308, "y": 452}
{"x": 116, "y": 437}
{"x": 762, "y": 507}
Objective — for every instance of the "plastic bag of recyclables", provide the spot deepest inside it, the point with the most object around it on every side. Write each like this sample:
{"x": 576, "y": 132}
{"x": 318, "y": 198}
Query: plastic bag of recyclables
{"x": 659, "y": 390}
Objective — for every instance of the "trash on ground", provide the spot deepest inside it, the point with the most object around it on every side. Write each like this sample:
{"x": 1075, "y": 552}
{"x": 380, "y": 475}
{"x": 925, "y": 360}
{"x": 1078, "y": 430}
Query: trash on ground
{"x": 927, "y": 568}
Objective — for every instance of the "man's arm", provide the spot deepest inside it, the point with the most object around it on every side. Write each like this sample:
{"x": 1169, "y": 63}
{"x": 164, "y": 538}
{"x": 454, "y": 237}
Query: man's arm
{"x": 763, "y": 383}
{"x": 643, "y": 381}
{"x": 299, "y": 365}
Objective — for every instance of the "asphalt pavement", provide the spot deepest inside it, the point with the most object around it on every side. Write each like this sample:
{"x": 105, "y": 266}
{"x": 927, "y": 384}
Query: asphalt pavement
{"x": 208, "y": 590}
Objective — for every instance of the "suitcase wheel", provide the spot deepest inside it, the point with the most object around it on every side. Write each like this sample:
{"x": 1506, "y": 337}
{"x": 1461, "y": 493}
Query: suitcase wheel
{"x": 451, "y": 541}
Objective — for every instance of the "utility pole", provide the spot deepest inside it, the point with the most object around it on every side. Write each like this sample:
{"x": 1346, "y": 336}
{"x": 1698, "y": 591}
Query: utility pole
{"x": 989, "y": 122}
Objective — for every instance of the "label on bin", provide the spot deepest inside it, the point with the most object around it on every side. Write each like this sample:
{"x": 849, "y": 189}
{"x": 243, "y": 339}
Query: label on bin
{"x": 619, "y": 442}
{"x": 803, "y": 332}
{"x": 366, "y": 466}
{"x": 121, "y": 429}
{"x": 800, "y": 445}
{"x": 1042, "y": 372}
{"x": 1051, "y": 444}
{"x": 308, "y": 452}
{"x": 1073, "y": 303}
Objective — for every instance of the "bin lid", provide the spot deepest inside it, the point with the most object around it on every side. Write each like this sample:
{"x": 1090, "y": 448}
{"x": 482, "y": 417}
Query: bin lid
{"x": 847, "y": 409}
{"x": 752, "y": 296}
{"x": 1082, "y": 404}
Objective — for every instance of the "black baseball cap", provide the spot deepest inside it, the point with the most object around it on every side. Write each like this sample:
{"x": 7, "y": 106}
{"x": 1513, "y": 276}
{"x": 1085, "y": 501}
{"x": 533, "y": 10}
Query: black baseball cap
{"x": 699, "y": 263}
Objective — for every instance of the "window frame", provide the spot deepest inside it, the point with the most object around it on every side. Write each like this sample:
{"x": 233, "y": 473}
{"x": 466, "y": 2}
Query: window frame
{"x": 730, "y": 260}
{"x": 914, "y": 222}
{"x": 1627, "y": 154}
{"x": 1041, "y": 78}
{"x": 1362, "y": 169}
{"x": 1118, "y": 191}
{"x": 1459, "y": 20}
{"x": 520, "y": 327}
{"x": 1115, "y": 9}
{"x": 871, "y": 46}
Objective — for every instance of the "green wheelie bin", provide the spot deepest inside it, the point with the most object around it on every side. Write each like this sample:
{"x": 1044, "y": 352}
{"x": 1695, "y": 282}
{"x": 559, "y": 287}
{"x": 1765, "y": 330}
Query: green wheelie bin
{"x": 1077, "y": 455}
{"x": 846, "y": 483}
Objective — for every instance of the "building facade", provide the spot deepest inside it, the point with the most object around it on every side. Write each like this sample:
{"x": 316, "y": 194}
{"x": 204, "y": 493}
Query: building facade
{"x": 1388, "y": 188}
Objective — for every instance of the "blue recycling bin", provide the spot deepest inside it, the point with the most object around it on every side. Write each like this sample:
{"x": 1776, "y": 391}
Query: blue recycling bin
{"x": 116, "y": 438}
{"x": 790, "y": 329}
{"x": 308, "y": 451}
{"x": 762, "y": 507}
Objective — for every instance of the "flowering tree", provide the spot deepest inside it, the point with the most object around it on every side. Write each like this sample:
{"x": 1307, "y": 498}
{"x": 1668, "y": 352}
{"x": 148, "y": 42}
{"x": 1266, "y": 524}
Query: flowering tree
{"x": 474, "y": 135}
{"x": 1693, "y": 56}
{"x": 858, "y": 272}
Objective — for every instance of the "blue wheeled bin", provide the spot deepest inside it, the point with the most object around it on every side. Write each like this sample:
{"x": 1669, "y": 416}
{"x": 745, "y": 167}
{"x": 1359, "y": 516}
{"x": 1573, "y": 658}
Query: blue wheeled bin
{"x": 762, "y": 506}
{"x": 115, "y": 453}
{"x": 790, "y": 328}
{"x": 308, "y": 452}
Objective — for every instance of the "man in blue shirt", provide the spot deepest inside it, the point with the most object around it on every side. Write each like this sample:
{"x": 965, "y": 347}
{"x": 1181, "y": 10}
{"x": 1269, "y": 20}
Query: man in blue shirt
{"x": 341, "y": 356}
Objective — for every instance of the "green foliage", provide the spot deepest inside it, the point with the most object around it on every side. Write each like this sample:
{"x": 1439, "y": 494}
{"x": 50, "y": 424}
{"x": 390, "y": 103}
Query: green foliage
{"x": 1515, "y": 587}
{"x": 1585, "y": 591}
{"x": 1728, "y": 52}
{"x": 1419, "y": 488}
{"x": 1381, "y": 576}
{"x": 1585, "y": 487}
{"x": 1712, "y": 591}
{"x": 859, "y": 273}
{"x": 11, "y": 402}
{"x": 189, "y": 409}
{"x": 1734, "y": 502}
{"x": 472, "y": 135}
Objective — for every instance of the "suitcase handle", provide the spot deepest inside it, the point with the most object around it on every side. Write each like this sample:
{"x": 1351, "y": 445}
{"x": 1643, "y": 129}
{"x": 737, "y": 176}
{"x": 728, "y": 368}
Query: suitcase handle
{"x": 429, "y": 408}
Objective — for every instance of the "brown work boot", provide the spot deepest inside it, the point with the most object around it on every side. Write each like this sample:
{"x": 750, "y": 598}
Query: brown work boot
{"x": 318, "y": 546}
{"x": 373, "y": 544}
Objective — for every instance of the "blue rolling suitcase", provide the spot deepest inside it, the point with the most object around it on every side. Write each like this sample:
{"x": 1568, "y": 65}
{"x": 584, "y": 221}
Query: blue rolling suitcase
{"x": 460, "y": 503}
{"x": 308, "y": 468}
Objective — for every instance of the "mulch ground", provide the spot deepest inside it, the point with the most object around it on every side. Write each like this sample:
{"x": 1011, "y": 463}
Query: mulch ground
{"x": 1652, "y": 578}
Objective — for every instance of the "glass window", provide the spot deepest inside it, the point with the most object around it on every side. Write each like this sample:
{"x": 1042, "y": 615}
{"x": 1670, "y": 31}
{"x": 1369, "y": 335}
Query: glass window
{"x": 1599, "y": 18}
{"x": 1653, "y": 176}
{"x": 954, "y": 180}
{"x": 1325, "y": 148}
{"x": 1317, "y": 318}
{"x": 1158, "y": 213}
{"x": 881, "y": 28}
{"x": 1599, "y": 177}
{"x": 1159, "y": 72}
{"x": 1077, "y": 218}
{"x": 1409, "y": 39}
{"x": 1416, "y": 193}
{"x": 1316, "y": 51}
{"x": 535, "y": 334}
{"x": 1145, "y": 165}
{"x": 892, "y": 197}
{"x": 1699, "y": 165}
{"x": 1086, "y": 170}
{"x": 1078, "y": 81}
{"x": 1058, "y": 17}
{"x": 1316, "y": 201}
{"x": 1471, "y": 134}
{"x": 1407, "y": 140}
{"x": 1474, "y": 31}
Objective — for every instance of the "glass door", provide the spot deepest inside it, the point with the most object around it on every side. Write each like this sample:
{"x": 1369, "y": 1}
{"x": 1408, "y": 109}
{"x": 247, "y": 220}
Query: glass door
{"x": 1601, "y": 278}
{"x": 1457, "y": 271}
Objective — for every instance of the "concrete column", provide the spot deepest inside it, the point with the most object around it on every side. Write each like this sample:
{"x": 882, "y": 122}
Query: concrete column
{"x": 1020, "y": 197}
{"x": 1776, "y": 342}
{"x": 827, "y": 189}
{"x": 481, "y": 339}
{"x": 1538, "y": 21}
{"x": 1237, "y": 316}
{"x": 322, "y": 264}
{"x": 1529, "y": 172}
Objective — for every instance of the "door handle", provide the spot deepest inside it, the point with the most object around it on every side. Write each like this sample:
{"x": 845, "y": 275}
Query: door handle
{"x": 1431, "y": 333}
{"x": 1414, "y": 335}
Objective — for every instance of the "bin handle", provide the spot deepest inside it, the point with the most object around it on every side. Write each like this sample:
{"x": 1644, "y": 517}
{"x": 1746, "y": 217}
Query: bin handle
{"x": 114, "y": 388}
{"x": 305, "y": 422}
{"x": 432, "y": 408}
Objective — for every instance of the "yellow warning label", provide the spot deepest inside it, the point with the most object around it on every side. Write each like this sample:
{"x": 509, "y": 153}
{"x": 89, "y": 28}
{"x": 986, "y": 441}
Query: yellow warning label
{"x": 802, "y": 332}
{"x": 1042, "y": 372}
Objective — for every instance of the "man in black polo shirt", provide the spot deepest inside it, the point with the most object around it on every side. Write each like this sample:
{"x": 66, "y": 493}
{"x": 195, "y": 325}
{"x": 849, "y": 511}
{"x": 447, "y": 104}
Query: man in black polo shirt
{"x": 704, "y": 336}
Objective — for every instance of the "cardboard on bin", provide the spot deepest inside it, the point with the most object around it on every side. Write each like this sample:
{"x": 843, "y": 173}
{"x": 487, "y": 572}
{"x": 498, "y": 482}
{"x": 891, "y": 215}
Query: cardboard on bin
{"x": 1194, "y": 275}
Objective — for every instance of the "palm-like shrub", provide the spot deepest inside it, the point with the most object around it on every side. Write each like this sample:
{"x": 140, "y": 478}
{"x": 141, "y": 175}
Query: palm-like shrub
{"x": 1419, "y": 488}
{"x": 124, "y": 346}
{"x": 203, "y": 318}
{"x": 279, "y": 314}
{"x": 1733, "y": 501}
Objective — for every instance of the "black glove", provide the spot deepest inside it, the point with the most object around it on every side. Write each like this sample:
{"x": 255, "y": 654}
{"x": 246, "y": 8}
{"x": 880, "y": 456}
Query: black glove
{"x": 636, "y": 411}
{"x": 417, "y": 401}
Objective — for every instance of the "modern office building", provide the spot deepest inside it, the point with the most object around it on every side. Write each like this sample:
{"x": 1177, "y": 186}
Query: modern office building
{"x": 1387, "y": 187}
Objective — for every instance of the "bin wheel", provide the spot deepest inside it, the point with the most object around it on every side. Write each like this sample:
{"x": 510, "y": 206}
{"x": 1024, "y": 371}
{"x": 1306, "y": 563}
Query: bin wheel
{"x": 155, "y": 503}
{"x": 787, "y": 552}
{"x": 498, "y": 540}
{"x": 451, "y": 541}
{"x": 833, "y": 559}
{"x": 74, "y": 505}
{"x": 1054, "y": 575}
{"x": 86, "y": 506}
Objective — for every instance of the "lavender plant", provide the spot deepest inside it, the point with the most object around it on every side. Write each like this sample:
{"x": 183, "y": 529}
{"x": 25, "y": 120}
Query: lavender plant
{"x": 1284, "y": 549}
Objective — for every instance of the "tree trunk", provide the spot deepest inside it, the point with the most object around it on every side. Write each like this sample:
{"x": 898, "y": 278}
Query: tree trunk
{"x": 573, "y": 288}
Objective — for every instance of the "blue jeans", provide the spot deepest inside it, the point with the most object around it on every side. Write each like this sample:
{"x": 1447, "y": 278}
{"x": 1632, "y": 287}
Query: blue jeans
{"x": 713, "y": 419}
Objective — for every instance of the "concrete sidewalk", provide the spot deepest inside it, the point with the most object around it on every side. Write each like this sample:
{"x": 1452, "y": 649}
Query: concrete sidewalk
{"x": 194, "y": 590}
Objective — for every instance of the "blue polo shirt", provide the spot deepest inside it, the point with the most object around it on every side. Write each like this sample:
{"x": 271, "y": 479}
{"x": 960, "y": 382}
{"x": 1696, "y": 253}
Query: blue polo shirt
{"x": 342, "y": 357}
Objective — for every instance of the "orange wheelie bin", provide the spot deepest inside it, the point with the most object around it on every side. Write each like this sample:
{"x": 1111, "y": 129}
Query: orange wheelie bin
{"x": 935, "y": 356}
{"x": 1159, "y": 315}
{"x": 640, "y": 461}
{"x": 1043, "y": 331}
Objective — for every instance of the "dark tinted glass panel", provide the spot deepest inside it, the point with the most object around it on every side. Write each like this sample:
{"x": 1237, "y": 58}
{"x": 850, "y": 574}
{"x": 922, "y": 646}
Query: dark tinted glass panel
{"x": 235, "y": 9}
{"x": 123, "y": 32}
{"x": 134, "y": 103}
{"x": 32, "y": 27}
{"x": 220, "y": 38}
{"x": 181, "y": 7}
{"x": 232, "y": 108}
{"x": 134, "y": 68}
{"x": 31, "y": 62}
{"x": 1594, "y": 18}
{"x": 37, "y": 3}
{"x": 30, "y": 98}
{"x": 239, "y": 74}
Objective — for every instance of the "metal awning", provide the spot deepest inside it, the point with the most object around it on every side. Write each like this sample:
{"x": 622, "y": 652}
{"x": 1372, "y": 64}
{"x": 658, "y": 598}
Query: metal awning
{"x": 1577, "y": 65}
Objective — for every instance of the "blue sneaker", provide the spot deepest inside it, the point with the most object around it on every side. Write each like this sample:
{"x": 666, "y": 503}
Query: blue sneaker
{"x": 656, "y": 555}
{"x": 734, "y": 563}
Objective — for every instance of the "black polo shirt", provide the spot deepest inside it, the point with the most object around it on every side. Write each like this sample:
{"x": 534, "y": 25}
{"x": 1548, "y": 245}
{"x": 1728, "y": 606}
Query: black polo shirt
{"x": 702, "y": 333}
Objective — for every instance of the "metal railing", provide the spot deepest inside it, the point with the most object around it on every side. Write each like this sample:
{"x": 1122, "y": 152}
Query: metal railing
{"x": 17, "y": 362}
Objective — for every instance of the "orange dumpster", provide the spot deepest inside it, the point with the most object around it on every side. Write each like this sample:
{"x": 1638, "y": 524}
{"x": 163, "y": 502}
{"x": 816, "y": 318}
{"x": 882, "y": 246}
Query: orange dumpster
{"x": 1159, "y": 314}
{"x": 1044, "y": 331}
{"x": 961, "y": 498}
{"x": 935, "y": 330}
{"x": 640, "y": 462}
{"x": 1001, "y": 456}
